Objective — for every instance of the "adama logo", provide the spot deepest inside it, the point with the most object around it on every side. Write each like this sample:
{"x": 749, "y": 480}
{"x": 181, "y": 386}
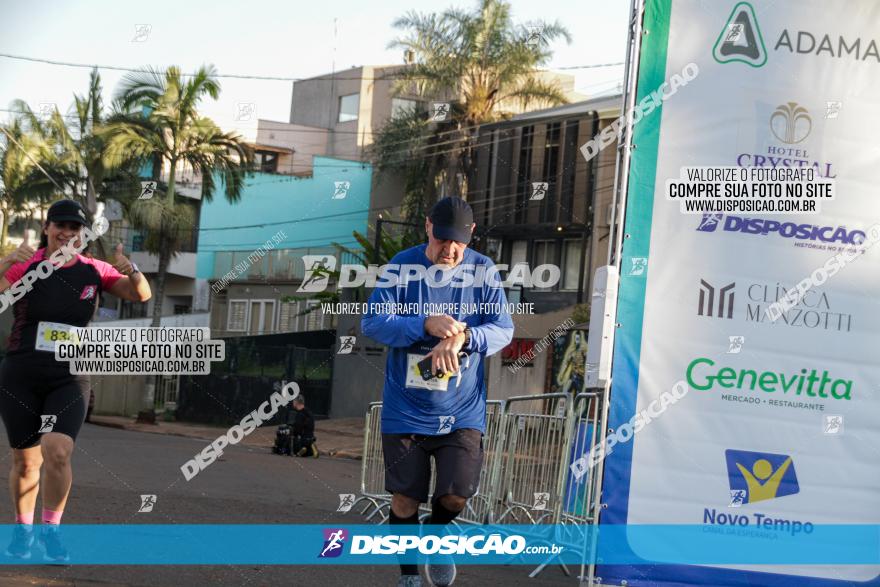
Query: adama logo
{"x": 740, "y": 39}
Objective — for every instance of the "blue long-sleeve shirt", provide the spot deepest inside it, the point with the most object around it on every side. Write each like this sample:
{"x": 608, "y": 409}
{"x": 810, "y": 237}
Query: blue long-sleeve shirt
{"x": 408, "y": 406}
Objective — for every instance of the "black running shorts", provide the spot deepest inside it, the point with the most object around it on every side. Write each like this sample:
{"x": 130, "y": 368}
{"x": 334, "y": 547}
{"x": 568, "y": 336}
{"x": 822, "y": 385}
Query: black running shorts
{"x": 458, "y": 457}
{"x": 34, "y": 385}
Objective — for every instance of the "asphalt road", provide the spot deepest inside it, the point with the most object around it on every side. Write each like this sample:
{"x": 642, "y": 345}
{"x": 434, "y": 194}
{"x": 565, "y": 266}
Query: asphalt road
{"x": 113, "y": 467}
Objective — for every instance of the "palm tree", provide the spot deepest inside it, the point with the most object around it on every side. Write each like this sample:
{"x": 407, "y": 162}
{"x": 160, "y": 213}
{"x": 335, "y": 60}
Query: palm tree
{"x": 22, "y": 181}
{"x": 486, "y": 65}
{"x": 161, "y": 123}
{"x": 74, "y": 153}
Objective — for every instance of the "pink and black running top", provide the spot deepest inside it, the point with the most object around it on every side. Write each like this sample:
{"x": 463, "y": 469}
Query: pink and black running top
{"x": 68, "y": 296}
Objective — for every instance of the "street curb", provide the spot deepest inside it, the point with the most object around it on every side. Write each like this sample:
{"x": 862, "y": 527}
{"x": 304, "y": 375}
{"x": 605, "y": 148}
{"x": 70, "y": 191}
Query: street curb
{"x": 108, "y": 424}
{"x": 338, "y": 454}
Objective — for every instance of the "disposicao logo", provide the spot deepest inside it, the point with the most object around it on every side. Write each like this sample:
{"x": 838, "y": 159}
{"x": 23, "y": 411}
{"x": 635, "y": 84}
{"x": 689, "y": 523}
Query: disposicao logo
{"x": 334, "y": 542}
{"x": 759, "y": 476}
{"x": 789, "y": 230}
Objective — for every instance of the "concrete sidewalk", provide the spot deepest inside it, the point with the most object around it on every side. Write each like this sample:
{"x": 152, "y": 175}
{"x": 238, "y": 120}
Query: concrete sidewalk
{"x": 341, "y": 437}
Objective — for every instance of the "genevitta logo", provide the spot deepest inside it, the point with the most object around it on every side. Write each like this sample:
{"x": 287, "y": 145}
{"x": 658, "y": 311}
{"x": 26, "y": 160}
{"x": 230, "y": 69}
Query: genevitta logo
{"x": 740, "y": 39}
{"x": 789, "y": 230}
{"x": 703, "y": 375}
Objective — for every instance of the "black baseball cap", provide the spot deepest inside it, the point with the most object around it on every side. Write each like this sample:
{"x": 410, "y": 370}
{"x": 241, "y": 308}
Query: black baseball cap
{"x": 67, "y": 211}
{"x": 452, "y": 218}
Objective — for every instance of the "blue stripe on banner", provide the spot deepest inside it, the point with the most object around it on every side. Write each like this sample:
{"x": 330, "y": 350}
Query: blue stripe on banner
{"x": 205, "y": 544}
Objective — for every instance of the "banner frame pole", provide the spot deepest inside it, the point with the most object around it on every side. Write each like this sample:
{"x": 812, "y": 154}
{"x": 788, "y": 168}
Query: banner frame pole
{"x": 615, "y": 240}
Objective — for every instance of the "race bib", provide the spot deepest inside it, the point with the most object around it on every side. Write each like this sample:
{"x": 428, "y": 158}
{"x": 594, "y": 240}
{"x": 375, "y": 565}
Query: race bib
{"x": 414, "y": 376}
{"x": 48, "y": 333}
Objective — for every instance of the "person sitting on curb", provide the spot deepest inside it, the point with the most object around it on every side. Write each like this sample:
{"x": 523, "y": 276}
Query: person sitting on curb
{"x": 303, "y": 429}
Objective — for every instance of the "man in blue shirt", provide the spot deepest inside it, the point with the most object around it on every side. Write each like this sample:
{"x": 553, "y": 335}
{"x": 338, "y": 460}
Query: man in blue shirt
{"x": 441, "y": 310}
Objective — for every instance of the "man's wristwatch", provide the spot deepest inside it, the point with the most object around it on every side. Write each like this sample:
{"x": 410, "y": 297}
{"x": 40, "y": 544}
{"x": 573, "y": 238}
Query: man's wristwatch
{"x": 467, "y": 338}
{"x": 134, "y": 269}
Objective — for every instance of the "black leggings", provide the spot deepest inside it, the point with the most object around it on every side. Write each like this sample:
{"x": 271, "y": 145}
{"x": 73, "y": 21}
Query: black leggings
{"x": 38, "y": 393}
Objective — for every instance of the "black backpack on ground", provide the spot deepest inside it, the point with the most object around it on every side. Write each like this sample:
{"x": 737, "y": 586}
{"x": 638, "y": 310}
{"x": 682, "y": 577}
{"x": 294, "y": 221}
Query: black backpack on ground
{"x": 282, "y": 440}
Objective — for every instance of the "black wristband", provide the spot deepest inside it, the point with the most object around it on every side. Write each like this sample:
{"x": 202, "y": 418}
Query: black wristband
{"x": 467, "y": 338}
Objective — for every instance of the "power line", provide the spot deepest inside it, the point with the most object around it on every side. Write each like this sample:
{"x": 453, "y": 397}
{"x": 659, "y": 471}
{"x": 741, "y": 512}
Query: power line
{"x": 266, "y": 77}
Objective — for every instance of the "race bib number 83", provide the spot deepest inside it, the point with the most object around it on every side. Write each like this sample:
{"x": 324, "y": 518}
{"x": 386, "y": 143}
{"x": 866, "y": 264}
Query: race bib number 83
{"x": 48, "y": 333}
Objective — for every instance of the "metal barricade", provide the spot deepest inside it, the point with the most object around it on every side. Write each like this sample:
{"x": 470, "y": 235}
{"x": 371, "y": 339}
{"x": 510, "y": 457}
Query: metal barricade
{"x": 480, "y": 507}
{"x": 580, "y": 488}
{"x": 530, "y": 479}
{"x": 529, "y": 445}
{"x": 375, "y": 499}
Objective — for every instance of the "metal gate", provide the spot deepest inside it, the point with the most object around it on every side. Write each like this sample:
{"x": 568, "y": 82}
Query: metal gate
{"x": 166, "y": 393}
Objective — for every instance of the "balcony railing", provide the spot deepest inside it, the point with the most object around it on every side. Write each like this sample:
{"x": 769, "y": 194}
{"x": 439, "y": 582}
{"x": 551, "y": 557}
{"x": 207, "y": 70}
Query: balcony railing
{"x": 277, "y": 265}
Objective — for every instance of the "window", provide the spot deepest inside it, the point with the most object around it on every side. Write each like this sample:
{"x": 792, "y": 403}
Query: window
{"x": 402, "y": 106}
{"x": 571, "y": 265}
{"x": 292, "y": 319}
{"x": 265, "y": 161}
{"x": 543, "y": 253}
{"x": 236, "y": 316}
{"x": 493, "y": 249}
{"x": 262, "y": 316}
{"x": 287, "y": 316}
{"x": 569, "y": 168}
{"x": 348, "y": 107}
{"x": 518, "y": 255}
{"x": 132, "y": 310}
{"x": 549, "y": 208}
{"x": 524, "y": 174}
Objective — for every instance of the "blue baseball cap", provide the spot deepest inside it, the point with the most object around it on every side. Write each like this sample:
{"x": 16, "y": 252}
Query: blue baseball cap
{"x": 452, "y": 219}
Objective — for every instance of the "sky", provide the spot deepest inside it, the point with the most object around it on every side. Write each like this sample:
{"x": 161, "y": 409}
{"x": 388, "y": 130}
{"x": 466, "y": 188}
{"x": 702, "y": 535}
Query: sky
{"x": 294, "y": 38}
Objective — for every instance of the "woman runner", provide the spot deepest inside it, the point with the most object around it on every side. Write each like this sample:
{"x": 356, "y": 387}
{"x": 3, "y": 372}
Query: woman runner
{"x": 42, "y": 404}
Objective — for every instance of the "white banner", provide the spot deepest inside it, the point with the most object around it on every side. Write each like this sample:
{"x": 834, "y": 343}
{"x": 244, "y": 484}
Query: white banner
{"x": 782, "y": 423}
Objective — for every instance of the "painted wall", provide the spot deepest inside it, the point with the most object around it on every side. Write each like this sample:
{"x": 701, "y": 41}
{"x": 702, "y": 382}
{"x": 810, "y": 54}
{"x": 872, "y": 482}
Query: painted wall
{"x": 304, "y": 208}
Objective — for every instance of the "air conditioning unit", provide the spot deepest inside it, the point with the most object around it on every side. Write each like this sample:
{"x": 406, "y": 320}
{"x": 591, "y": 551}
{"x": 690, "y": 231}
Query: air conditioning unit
{"x": 609, "y": 211}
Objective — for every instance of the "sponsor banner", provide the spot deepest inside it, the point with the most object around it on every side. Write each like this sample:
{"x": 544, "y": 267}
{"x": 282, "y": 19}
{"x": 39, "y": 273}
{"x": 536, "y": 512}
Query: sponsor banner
{"x": 783, "y": 84}
{"x": 729, "y": 538}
